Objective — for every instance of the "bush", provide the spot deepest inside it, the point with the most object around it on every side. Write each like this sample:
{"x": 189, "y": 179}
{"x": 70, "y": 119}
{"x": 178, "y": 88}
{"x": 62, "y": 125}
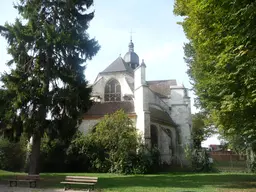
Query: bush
{"x": 113, "y": 146}
{"x": 53, "y": 155}
{"x": 119, "y": 138}
{"x": 12, "y": 154}
{"x": 77, "y": 158}
{"x": 199, "y": 158}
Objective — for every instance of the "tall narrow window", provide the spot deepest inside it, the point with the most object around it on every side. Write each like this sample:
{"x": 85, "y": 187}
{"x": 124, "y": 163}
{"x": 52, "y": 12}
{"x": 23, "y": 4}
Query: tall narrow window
{"x": 154, "y": 136}
{"x": 113, "y": 91}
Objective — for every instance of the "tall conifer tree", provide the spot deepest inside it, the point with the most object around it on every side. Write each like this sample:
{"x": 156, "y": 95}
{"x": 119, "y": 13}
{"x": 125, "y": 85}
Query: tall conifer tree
{"x": 49, "y": 48}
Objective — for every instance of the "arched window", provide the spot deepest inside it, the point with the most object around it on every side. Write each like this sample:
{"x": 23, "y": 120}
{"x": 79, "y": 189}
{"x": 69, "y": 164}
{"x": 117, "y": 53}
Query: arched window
{"x": 154, "y": 136}
{"x": 113, "y": 91}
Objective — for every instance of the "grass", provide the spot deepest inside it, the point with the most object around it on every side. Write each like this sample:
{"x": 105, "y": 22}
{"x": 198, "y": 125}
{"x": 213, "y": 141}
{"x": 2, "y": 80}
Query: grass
{"x": 231, "y": 166}
{"x": 177, "y": 182}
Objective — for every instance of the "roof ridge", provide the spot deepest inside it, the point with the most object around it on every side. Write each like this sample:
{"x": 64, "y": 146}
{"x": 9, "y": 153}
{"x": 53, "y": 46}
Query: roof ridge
{"x": 162, "y": 80}
{"x": 117, "y": 65}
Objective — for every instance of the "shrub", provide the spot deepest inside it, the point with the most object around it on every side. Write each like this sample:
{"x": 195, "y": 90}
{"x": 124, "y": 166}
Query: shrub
{"x": 12, "y": 154}
{"x": 53, "y": 155}
{"x": 119, "y": 138}
{"x": 77, "y": 158}
{"x": 199, "y": 159}
{"x": 113, "y": 146}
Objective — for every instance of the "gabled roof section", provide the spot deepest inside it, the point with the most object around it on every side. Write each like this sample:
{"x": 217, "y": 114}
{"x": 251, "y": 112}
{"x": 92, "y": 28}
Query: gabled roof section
{"x": 118, "y": 65}
{"x": 162, "y": 87}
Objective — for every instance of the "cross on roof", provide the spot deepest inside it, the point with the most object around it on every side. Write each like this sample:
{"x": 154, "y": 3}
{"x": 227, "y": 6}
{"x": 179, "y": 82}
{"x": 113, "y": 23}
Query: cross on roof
{"x": 131, "y": 32}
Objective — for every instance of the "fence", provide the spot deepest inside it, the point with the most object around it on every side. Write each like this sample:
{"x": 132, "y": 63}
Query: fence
{"x": 228, "y": 161}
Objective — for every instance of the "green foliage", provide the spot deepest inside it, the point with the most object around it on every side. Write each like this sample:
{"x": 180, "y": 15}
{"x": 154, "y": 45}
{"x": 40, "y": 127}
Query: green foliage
{"x": 82, "y": 154}
{"x": 121, "y": 148}
{"x": 117, "y": 135}
{"x": 95, "y": 151}
{"x": 53, "y": 154}
{"x": 112, "y": 146}
{"x": 12, "y": 154}
{"x": 221, "y": 60}
{"x": 201, "y": 130}
{"x": 49, "y": 50}
{"x": 199, "y": 159}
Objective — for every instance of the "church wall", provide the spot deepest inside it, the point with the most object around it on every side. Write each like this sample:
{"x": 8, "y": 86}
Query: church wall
{"x": 142, "y": 112}
{"x": 86, "y": 125}
{"x": 181, "y": 114}
{"x": 141, "y": 104}
{"x": 155, "y": 100}
{"x": 174, "y": 141}
{"x": 177, "y": 96}
{"x": 166, "y": 144}
{"x": 99, "y": 86}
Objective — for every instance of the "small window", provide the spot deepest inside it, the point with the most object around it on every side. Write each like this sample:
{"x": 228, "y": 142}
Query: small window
{"x": 113, "y": 91}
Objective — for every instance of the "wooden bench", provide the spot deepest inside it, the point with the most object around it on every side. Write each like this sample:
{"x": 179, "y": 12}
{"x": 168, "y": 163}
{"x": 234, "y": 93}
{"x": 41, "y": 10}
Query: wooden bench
{"x": 79, "y": 180}
{"x": 31, "y": 179}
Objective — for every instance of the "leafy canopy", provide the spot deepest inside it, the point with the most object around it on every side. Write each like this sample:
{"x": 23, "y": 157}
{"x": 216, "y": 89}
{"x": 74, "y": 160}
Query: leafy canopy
{"x": 222, "y": 63}
{"x": 201, "y": 128}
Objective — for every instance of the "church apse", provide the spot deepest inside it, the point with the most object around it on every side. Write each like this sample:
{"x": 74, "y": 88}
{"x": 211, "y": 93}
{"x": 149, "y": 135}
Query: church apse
{"x": 160, "y": 109}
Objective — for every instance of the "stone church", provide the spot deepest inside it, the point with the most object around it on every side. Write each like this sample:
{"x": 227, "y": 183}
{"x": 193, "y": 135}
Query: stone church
{"x": 160, "y": 109}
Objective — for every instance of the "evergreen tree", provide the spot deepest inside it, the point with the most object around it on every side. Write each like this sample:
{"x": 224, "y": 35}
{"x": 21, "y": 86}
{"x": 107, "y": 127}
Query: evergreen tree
{"x": 49, "y": 48}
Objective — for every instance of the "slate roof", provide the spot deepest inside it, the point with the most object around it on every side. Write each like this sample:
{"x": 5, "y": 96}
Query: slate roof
{"x": 162, "y": 87}
{"x": 117, "y": 66}
{"x": 161, "y": 116}
{"x": 101, "y": 109}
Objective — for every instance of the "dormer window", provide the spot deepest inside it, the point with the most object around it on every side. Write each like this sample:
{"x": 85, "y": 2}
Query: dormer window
{"x": 112, "y": 91}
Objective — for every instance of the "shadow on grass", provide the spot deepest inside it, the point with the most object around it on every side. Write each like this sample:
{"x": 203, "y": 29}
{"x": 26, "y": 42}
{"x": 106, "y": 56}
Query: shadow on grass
{"x": 183, "y": 181}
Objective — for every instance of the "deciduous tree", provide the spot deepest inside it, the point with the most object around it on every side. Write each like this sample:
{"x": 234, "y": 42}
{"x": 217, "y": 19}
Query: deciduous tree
{"x": 222, "y": 63}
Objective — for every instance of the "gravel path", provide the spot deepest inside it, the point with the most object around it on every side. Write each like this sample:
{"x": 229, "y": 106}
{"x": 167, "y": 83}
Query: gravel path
{"x": 4, "y": 188}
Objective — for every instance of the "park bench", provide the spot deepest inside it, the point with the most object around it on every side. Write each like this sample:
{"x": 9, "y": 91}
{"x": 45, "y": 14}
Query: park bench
{"x": 31, "y": 179}
{"x": 79, "y": 180}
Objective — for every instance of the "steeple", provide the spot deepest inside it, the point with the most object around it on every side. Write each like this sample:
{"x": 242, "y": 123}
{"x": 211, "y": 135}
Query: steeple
{"x": 131, "y": 57}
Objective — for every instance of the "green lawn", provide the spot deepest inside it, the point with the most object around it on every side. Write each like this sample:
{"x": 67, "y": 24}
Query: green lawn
{"x": 177, "y": 182}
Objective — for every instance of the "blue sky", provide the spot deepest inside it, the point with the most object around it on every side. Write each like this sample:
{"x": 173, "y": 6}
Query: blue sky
{"x": 157, "y": 37}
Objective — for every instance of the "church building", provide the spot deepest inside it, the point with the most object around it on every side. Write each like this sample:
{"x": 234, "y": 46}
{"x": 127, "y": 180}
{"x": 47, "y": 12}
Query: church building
{"x": 160, "y": 109}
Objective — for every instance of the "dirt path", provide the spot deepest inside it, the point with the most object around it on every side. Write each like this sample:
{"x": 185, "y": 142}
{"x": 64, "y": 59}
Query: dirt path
{"x": 4, "y": 188}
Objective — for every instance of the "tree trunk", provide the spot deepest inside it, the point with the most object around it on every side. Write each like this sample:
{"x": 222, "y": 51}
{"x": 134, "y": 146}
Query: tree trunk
{"x": 35, "y": 154}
